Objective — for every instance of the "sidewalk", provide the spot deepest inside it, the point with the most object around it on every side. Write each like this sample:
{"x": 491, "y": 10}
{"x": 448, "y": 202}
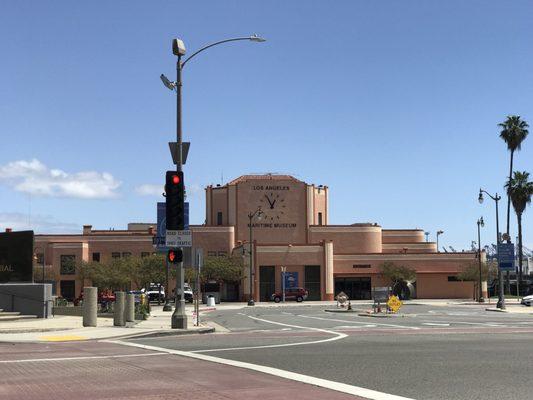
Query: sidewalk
{"x": 70, "y": 328}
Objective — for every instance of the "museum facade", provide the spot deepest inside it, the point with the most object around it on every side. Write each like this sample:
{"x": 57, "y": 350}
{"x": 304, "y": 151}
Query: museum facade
{"x": 291, "y": 233}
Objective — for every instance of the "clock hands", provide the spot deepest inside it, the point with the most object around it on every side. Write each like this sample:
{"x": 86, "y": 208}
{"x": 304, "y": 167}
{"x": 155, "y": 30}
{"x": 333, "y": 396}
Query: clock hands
{"x": 270, "y": 202}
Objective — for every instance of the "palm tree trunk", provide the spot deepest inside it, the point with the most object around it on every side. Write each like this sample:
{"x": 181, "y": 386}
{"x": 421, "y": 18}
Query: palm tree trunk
{"x": 508, "y": 274}
{"x": 508, "y": 196}
{"x": 519, "y": 218}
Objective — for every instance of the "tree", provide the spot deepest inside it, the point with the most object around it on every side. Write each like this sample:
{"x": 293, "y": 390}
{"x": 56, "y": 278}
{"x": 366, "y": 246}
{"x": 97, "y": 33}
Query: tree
{"x": 399, "y": 276}
{"x": 520, "y": 190}
{"x": 227, "y": 269}
{"x": 470, "y": 273}
{"x": 514, "y": 131}
{"x": 397, "y": 273}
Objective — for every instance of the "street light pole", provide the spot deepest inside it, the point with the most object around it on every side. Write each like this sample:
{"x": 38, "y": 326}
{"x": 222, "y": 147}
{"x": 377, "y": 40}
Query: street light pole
{"x": 496, "y": 198}
{"x": 251, "y": 216}
{"x": 179, "y": 319}
{"x": 438, "y": 234}
{"x": 480, "y": 223}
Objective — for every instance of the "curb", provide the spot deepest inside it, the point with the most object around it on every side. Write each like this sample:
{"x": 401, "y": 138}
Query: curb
{"x": 177, "y": 332}
{"x": 35, "y": 330}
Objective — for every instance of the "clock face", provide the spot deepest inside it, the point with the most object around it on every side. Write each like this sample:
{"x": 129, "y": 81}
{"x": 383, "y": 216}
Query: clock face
{"x": 273, "y": 206}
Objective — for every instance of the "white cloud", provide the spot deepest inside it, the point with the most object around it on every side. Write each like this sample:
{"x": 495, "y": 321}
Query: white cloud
{"x": 150, "y": 190}
{"x": 37, "y": 223}
{"x": 35, "y": 178}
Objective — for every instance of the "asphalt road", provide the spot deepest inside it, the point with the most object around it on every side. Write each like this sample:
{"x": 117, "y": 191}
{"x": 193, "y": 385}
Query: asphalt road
{"x": 445, "y": 353}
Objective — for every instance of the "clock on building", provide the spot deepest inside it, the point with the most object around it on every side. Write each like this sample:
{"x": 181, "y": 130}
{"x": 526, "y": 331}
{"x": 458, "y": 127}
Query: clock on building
{"x": 273, "y": 207}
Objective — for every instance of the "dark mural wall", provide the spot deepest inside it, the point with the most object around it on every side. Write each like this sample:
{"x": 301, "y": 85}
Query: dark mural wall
{"x": 16, "y": 256}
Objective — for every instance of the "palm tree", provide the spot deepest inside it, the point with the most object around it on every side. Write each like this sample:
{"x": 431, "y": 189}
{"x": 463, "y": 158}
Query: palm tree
{"x": 513, "y": 132}
{"x": 520, "y": 190}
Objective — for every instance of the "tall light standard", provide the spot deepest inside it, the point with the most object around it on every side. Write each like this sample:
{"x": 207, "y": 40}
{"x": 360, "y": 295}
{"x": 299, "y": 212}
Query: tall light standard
{"x": 43, "y": 249}
{"x": 438, "y": 234}
{"x": 496, "y": 198}
{"x": 179, "y": 319}
{"x": 256, "y": 214}
{"x": 480, "y": 224}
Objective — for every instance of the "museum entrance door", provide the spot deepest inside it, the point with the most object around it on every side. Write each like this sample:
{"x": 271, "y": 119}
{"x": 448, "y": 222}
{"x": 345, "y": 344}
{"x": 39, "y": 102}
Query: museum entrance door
{"x": 267, "y": 282}
{"x": 68, "y": 289}
{"x": 355, "y": 288}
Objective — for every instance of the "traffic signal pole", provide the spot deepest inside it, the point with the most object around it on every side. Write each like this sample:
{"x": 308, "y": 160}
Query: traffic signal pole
{"x": 179, "y": 318}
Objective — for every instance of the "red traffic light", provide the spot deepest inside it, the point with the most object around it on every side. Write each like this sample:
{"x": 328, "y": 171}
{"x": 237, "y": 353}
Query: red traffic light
{"x": 175, "y": 256}
{"x": 175, "y": 179}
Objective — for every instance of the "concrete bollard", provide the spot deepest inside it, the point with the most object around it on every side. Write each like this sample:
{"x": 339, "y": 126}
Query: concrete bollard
{"x": 129, "y": 311}
{"x": 90, "y": 306}
{"x": 118, "y": 317}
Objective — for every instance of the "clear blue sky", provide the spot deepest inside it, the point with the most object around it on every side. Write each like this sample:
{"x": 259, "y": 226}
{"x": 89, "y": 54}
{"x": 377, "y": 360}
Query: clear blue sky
{"x": 393, "y": 105}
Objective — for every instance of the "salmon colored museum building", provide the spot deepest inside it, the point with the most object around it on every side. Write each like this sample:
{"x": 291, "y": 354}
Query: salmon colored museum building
{"x": 293, "y": 233}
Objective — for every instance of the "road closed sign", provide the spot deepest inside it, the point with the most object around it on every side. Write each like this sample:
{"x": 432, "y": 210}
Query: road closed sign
{"x": 178, "y": 238}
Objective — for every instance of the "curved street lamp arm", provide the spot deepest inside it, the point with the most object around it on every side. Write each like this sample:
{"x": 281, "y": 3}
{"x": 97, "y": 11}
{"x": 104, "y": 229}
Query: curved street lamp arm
{"x": 215, "y": 44}
{"x": 495, "y": 198}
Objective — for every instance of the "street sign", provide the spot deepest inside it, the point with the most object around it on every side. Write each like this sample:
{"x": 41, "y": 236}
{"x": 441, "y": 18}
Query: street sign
{"x": 506, "y": 256}
{"x": 159, "y": 241}
{"x": 394, "y": 303}
{"x": 178, "y": 238}
{"x": 176, "y": 154}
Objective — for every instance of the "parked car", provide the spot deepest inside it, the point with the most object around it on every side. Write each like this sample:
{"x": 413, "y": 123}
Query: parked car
{"x": 154, "y": 292}
{"x": 527, "y": 301}
{"x": 187, "y": 293}
{"x": 137, "y": 294}
{"x": 298, "y": 294}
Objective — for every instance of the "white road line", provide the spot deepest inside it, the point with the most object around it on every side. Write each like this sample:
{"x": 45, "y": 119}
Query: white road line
{"x": 434, "y": 324}
{"x": 357, "y": 322}
{"x": 77, "y": 358}
{"x": 336, "y": 336}
{"x": 491, "y": 324}
{"x": 324, "y": 383}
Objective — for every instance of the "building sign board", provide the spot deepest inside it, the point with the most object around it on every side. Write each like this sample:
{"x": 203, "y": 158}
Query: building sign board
{"x": 16, "y": 256}
{"x": 506, "y": 256}
{"x": 178, "y": 238}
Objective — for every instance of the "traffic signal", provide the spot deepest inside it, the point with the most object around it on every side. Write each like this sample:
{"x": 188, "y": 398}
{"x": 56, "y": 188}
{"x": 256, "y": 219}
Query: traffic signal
{"x": 175, "y": 193}
{"x": 175, "y": 256}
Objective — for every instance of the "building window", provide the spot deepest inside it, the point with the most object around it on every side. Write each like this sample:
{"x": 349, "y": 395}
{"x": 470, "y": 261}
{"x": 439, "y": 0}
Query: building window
{"x": 319, "y": 218}
{"x": 222, "y": 253}
{"x": 219, "y": 218}
{"x": 96, "y": 257}
{"x": 115, "y": 255}
{"x": 362, "y": 266}
{"x": 126, "y": 254}
{"x": 453, "y": 279}
{"x": 211, "y": 253}
{"x": 145, "y": 254}
{"x": 68, "y": 264}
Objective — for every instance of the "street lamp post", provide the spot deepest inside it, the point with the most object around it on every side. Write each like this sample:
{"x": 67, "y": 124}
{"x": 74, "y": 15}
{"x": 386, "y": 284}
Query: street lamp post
{"x": 496, "y": 198}
{"x": 43, "y": 264}
{"x": 480, "y": 224}
{"x": 179, "y": 319}
{"x": 438, "y": 234}
{"x": 258, "y": 214}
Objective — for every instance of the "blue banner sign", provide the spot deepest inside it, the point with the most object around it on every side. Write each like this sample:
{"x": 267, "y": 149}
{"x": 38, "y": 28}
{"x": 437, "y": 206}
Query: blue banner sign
{"x": 291, "y": 280}
{"x": 506, "y": 256}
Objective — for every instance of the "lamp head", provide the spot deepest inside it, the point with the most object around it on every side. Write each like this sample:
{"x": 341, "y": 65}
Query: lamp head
{"x": 440, "y": 232}
{"x": 169, "y": 84}
{"x": 481, "y": 222}
{"x": 178, "y": 47}
{"x": 480, "y": 198}
{"x": 255, "y": 38}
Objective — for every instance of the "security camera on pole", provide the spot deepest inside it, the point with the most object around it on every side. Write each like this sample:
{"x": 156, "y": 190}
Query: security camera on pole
{"x": 176, "y": 237}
